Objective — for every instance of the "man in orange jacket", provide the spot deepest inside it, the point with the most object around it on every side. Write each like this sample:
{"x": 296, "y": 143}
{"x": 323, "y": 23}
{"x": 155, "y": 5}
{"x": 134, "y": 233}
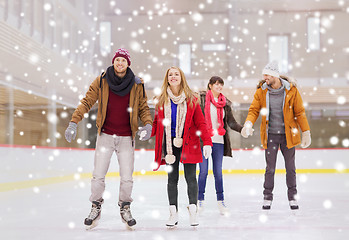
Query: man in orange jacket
{"x": 280, "y": 104}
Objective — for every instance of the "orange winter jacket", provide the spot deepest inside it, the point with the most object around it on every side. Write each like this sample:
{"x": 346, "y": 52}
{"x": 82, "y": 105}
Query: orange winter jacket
{"x": 100, "y": 91}
{"x": 294, "y": 113}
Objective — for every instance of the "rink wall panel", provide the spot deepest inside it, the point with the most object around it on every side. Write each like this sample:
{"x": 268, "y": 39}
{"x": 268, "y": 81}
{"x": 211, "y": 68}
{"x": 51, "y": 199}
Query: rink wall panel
{"x": 27, "y": 166}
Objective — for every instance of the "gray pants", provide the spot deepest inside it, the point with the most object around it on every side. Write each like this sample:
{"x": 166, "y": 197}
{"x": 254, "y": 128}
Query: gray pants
{"x": 124, "y": 148}
{"x": 274, "y": 142}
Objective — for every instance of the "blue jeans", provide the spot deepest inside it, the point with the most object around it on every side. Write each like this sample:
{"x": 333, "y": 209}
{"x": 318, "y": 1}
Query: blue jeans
{"x": 217, "y": 160}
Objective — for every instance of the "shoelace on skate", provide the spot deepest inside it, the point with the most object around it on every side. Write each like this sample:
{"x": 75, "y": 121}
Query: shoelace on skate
{"x": 94, "y": 213}
{"x": 126, "y": 214}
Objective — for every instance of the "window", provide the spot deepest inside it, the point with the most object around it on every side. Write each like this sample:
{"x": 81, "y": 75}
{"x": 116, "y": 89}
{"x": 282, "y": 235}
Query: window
{"x": 184, "y": 57}
{"x": 313, "y": 33}
{"x": 105, "y": 38}
{"x": 278, "y": 51}
{"x": 214, "y": 47}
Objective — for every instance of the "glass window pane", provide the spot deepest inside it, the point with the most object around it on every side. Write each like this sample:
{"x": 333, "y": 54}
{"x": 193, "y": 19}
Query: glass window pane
{"x": 214, "y": 47}
{"x": 184, "y": 57}
{"x": 278, "y": 51}
{"x": 313, "y": 33}
{"x": 105, "y": 38}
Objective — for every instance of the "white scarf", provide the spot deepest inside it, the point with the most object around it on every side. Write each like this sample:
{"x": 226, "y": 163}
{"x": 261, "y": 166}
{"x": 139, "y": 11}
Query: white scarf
{"x": 180, "y": 120}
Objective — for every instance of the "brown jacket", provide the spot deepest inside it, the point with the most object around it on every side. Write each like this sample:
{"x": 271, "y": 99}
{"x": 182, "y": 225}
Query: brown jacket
{"x": 228, "y": 120}
{"x": 100, "y": 91}
{"x": 294, "y": 113}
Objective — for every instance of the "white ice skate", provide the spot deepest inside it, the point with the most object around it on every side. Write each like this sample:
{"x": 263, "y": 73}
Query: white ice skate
{"x": 201, "y": 206}
{"x": 173, "y": 220}
{"x": 293, "y": 205}
{"x": 222, "y": 207}
{"x": 193, "y": 212}
{"x": 266, "y": 204}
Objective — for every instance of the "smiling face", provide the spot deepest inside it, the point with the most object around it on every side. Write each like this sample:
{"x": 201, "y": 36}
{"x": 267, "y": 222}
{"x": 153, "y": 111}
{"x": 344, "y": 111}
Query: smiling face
{"x": 216, "y": 88}
{"x": 174, "y": 77}
{"x": 271, "y": 80}
{"x": 120, "y": 65}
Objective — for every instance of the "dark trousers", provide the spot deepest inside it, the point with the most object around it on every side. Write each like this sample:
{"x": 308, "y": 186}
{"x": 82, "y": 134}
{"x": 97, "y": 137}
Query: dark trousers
{"x": 217, "y": 162}
{"x": 274, "y": 142}
{"x": 190, "y": 178}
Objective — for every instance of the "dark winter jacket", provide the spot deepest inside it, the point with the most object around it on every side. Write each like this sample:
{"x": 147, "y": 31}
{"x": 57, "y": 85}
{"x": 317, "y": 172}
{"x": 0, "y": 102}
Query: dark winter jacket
{"x": 228, "y": 120}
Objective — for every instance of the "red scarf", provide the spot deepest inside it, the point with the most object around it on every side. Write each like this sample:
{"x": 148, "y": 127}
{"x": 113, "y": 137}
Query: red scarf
{"x": 219, "y": 105}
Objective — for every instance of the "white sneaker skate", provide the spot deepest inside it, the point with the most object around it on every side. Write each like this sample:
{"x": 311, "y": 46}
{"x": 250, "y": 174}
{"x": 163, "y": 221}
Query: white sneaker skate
{"x": 293, "y": 204}
{"x": 92, "y": 220}
{"x": 266, "y": 204}
{"x": 222, "y": 207}
{"x": 173, "y": 220}
{"x": 201, "y": 206}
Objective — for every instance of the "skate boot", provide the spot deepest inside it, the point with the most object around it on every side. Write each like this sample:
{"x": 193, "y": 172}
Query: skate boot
{"x": 173, "y": 220}
{"x": 193, "y": 210}
{"x": 126, "y": 216}
{"x": 92, "y": 220}
{"x": 293, "y": 204}
{"x": 201, "y": 206}
{"x": 222, "y": 207}
{"x": 266, "y": 204}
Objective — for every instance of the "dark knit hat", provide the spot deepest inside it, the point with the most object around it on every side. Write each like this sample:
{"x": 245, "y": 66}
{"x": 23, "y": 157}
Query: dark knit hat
{"x": 122, "y": 52}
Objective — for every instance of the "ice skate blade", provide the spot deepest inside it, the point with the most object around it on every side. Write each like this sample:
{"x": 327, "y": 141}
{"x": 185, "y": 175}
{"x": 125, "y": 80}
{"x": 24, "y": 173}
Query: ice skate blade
{"x": 93, "y": 225}
{"x": 130, "y": 227}
{"x": 171, "y": 226}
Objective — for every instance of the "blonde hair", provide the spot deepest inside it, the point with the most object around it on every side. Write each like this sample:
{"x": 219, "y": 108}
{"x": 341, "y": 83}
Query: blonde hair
{"x": 163, "y": 97}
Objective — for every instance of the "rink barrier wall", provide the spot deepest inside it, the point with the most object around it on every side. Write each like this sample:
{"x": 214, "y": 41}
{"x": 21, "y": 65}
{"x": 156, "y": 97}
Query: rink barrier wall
{"x": 30, "y": 166}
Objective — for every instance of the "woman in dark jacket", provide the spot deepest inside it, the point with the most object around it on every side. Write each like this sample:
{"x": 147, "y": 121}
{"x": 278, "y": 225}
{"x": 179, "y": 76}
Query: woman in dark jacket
{"x": 218, "y": 116}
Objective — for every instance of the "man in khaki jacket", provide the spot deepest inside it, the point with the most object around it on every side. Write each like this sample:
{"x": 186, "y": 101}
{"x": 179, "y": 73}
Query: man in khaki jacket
{"x": 280, "y": 104}
{"x": 121, "y": 101}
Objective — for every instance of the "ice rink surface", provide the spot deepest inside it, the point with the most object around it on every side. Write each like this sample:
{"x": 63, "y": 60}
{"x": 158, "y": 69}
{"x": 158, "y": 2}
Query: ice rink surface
{"x": 57, "y": 211}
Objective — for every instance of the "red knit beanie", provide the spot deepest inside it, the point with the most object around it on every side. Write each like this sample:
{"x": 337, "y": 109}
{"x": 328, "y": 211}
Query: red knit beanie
{"x": 122, "y": 52}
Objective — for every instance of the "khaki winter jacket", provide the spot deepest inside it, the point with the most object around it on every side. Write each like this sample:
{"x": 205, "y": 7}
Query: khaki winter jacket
{"x": 293, "y": 109}
{"x": 100, "y": 91}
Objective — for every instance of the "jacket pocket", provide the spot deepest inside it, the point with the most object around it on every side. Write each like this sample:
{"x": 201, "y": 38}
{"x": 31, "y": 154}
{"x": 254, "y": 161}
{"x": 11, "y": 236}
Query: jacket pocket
{"x": 295, "y": 134}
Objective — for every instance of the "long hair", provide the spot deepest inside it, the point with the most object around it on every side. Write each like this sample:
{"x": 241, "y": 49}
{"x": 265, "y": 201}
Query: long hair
{"x": 163, "y": 97}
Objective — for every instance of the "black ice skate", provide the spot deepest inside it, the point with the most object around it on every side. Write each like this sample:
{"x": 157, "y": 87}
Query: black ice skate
{"x": 92, "y": 220}
{"x": 126, "y": 216}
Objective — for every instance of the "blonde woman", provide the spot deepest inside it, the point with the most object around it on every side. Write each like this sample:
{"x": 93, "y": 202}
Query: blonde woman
{"x": 177, "y": 126}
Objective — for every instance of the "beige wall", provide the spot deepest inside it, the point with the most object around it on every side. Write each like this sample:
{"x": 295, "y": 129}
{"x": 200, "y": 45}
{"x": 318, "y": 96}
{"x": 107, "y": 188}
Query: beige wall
{"x": 315, "y": 64}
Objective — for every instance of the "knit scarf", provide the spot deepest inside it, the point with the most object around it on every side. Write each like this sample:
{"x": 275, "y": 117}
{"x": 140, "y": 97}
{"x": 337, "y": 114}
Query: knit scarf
{"x": 180, "y": 120}
{"x": 219, "y": 105}
{"x": 120, "y": 86}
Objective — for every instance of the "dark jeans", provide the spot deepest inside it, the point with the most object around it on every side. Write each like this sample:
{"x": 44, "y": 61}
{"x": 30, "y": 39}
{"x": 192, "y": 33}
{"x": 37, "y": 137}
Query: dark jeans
{"x": 274, "y": 142}
{"x": 217, "y": 161}
{"x": 173, "y": 177}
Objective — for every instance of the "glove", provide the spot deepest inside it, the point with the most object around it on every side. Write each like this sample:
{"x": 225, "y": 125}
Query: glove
{"x": 70, "y": 132}
{"x": 145, "y": 132}
{"x": 207, "y": 150}
{"x": 306, "y": 139}
{"x": 247, "y": 130}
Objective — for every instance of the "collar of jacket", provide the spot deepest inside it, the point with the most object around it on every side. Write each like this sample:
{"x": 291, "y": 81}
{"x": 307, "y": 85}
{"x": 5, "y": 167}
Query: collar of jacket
{"x": 286, "y": 84}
